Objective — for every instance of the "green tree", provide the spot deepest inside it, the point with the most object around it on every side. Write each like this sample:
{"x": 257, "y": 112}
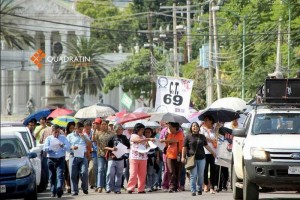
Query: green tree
{"x": 134, "y": 75}
{"x": 13, "y": 37}
{"x": 86, "y": 76}
{"x": 111, "y": 26}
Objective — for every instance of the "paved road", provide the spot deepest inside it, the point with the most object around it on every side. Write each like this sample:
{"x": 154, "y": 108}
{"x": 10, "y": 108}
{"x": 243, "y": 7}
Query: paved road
{"x": 160, "y": 195}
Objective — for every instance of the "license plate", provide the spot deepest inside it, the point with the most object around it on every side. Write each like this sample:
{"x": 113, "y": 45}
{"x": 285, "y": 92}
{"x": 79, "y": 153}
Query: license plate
{"x": 294, "y": 170}
{"x": 2, "y": 189}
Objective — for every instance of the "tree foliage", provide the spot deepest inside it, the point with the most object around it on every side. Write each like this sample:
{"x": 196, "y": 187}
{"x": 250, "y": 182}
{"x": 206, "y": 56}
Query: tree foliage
{"x": 13, "y": 37}
{"x": 85, "y": 76}
{"x": 134, "y": 76}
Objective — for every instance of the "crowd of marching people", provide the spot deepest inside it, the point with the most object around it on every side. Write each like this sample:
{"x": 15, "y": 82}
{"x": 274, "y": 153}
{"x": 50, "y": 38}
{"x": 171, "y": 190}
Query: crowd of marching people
{"x": 86, "y": 151}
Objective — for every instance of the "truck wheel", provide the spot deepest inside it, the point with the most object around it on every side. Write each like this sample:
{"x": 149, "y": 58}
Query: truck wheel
{"x": 250, "y": 191}
{"x": 237, "y": 192}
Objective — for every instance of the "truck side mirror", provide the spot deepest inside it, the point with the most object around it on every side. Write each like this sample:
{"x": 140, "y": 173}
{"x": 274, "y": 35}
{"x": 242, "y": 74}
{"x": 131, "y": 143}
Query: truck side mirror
{"x": 239, "y": 132}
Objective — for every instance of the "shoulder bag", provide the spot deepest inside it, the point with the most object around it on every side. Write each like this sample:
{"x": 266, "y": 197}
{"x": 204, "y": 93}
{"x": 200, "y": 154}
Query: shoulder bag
{"x": 190, "y": 163}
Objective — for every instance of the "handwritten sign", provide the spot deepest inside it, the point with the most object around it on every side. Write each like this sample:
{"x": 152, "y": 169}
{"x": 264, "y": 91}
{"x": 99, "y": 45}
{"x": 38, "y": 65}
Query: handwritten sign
{"x": 173, "y": 94}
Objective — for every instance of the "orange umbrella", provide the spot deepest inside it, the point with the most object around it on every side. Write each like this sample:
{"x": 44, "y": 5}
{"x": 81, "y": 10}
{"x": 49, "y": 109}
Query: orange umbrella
{"x": 60, "y": 112}
{"x": 133, "y": 116}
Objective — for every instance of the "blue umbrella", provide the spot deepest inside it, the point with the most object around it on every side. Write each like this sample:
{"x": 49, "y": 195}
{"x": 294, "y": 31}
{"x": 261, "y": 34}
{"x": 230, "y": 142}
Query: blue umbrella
{"x": 37, "y": 115}
{"x": 219, "y": 114}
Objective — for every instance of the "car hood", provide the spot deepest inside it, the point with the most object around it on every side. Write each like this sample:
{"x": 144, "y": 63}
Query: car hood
{"x": 275, "y": 141}
{"x": 13, "y": 164}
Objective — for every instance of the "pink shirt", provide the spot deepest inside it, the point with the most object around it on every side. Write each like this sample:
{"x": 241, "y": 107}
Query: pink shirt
{"x": 134, "y": 154}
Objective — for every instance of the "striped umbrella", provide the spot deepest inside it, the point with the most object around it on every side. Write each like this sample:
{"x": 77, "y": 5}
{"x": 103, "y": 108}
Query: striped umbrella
{"x": 62, "y": 121}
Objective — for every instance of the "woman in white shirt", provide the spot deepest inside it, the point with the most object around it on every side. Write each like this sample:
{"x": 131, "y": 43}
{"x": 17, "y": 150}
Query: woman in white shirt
{"x": 208, "y": 130}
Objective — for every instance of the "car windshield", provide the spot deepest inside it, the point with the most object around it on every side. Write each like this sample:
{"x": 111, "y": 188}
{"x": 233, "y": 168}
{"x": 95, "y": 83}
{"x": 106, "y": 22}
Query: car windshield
{"x": 276, "y": 123}
{"x": 11, "y": 148}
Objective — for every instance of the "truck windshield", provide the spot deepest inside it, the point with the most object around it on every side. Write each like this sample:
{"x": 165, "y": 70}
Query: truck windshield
{"x": 276, "y": 123}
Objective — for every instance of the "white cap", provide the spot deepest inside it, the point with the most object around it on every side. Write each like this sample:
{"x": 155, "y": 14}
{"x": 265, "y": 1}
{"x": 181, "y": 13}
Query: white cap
{"x": 276, "y": 74}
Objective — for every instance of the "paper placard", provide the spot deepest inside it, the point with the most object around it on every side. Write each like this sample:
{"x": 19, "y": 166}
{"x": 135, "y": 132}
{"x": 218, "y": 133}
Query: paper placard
{"x": 79, "y": 152}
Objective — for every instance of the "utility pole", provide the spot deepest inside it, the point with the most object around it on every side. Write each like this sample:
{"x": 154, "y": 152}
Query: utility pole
{"x": 216, "y": 50}
{"x": 278, "y": 58}
{"x": 176, "y": 68}
{"x": 210, "y": 88}
{"x": 188, "y": 31}
{"x": 243, "y": 62}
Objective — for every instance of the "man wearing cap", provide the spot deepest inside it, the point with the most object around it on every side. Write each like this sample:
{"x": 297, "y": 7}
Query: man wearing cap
{"x": 56, "y": 146}
{"x": 78, "y": 163}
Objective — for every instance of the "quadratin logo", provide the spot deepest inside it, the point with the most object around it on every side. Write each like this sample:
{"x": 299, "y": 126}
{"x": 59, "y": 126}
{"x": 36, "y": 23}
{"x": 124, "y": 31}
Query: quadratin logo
{"x": 37, "y": 57}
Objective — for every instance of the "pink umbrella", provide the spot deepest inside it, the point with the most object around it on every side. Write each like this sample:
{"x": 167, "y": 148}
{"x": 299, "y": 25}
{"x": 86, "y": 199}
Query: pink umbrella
{"x": 60, "y": 112}
{"x": 128, "y": 117}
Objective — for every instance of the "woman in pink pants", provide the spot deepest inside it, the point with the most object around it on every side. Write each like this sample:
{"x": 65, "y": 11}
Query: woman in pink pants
{"x": 137, "y": 160}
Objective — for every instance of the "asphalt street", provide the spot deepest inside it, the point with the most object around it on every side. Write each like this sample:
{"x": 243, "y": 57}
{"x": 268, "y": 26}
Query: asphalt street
{"x": 186, "y": 195}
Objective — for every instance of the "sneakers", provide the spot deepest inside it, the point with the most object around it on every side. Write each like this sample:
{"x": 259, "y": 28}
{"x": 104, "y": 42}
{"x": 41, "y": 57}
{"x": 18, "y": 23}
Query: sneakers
{"x": 171, "y": 191}
{"x": 199, "y": 192}
{"x": 108, "y": 191}
{"x": 75, "y": 194}
{"x": 212, "y": 191}
{"x": 129, "y": 192}
{"x": 193, "y": 194}
{"x": 141, "y": 192}
{"x": 118, "y": 192}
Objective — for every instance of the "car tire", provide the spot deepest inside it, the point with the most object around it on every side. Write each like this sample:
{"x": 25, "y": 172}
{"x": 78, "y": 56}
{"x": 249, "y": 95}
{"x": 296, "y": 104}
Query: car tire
{"x": 43, "y": 183}
{"x": 32, "y": 195}
{"x": 236, "y": 191}
{"x": 250, "y": 191}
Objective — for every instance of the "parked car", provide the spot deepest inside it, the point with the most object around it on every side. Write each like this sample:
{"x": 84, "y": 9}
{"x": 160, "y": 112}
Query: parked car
{"x": 17, "y": 174}
{"x": 41, "y": 175}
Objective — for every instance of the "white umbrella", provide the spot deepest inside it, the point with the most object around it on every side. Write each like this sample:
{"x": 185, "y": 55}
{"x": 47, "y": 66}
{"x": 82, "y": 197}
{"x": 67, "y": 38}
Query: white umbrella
{"x": 233, "y": 103}
{"x": 143, "y": 109}
{"x": 94, "y": 111}
{"x": 150, "y": 124}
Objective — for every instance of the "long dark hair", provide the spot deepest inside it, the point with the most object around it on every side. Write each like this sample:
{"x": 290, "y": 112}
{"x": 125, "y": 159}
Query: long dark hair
{"x": 192, "y": 126}
{"x": 68, "y": 127}
{"x": 138, "y": 127}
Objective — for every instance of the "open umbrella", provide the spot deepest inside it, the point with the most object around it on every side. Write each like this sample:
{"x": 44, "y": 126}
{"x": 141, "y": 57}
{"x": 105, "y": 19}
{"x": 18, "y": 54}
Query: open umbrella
{"x": 94, "y": 111}
{"x": 143, "y": 109}
{"x": 168, "y": 117}
{"x": 133, "y": 116}
{"x": 107, "y": 105}
{"x": 233, "y": 103}
{"x": 60, "y": 112}
{"x": 37, "y": 115}
{"x": 148, "y": 124}
{"x": 219, "y": 114}
{"x": 63, "y": 121}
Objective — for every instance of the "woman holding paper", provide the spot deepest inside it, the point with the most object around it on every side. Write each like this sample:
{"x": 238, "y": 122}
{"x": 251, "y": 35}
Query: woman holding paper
{"x": 115, "y": 164}
{"x": 138, "y": 160}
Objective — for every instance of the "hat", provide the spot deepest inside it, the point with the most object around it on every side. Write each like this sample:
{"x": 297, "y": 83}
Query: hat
{"x": 276, "y": 74}
{"x": 111, "y": 123}
{"x": 98, "y": 120}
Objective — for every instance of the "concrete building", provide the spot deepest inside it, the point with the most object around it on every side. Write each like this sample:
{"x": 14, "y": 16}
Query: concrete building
{"x": 48, "y": 22}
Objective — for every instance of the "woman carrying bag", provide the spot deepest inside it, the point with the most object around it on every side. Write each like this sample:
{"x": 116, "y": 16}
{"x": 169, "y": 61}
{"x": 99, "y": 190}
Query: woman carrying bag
{"x": 193, "y": 146}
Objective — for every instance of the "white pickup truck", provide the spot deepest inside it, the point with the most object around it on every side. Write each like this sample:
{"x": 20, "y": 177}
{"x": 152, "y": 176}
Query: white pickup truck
{"x": 266, "y": 152}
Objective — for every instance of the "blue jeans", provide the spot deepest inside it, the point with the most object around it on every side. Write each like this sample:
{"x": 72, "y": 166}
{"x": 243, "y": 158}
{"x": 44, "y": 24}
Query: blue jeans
{"x": 150, "y": 174}
{"x": 56, "y": 174}
{"x": 197, "y": 175}
{"x": 78, "y": 168}
{"x": 114, "y": 175}
{"x": 101, "y": 172}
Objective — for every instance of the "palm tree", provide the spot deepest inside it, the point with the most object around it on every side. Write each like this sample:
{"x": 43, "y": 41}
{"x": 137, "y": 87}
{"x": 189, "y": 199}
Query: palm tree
{"x": 13, "y": 37}
{"x": 84, "y": 76}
